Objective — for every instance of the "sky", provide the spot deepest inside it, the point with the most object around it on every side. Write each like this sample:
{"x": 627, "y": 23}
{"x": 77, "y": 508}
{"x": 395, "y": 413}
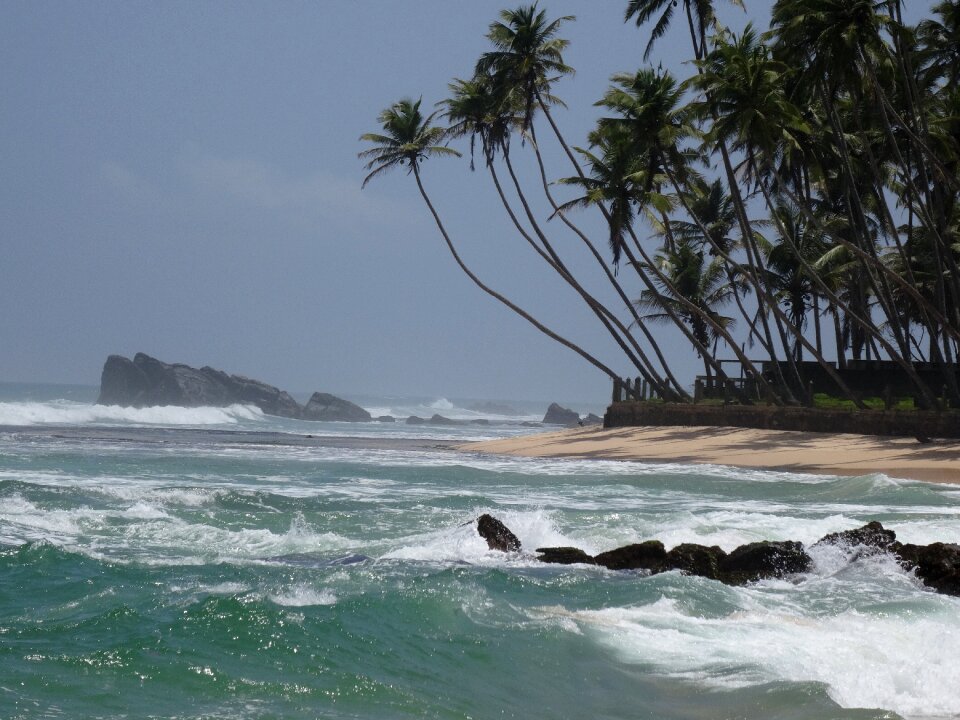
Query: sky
{"x": 181, "y": 179}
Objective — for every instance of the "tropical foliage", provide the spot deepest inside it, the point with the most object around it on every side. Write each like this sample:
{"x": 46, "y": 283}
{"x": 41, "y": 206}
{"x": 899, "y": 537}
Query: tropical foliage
{"x": 795, "y": 202}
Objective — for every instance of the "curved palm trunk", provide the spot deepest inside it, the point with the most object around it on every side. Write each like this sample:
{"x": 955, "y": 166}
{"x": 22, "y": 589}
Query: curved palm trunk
{"x": 635, "y": 354}
{"x": 758, "y": 376}
{"x": 493, "y": 293}
{"x": 600, "y": 261}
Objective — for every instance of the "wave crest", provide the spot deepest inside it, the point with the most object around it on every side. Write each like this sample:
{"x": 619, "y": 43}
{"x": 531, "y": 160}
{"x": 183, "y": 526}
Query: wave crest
{"x": 65, "y": 412}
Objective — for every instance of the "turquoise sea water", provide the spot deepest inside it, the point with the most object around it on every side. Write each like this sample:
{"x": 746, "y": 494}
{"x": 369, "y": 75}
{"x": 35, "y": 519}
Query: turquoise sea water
{"x": 216, "y": 563}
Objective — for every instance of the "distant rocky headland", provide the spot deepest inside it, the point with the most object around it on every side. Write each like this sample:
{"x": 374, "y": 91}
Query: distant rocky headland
{"x": 146, "y": 381}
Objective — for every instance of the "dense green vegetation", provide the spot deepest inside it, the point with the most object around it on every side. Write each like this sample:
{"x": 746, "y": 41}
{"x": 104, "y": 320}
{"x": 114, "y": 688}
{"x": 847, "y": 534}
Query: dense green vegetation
{"x": 800, "y": 189}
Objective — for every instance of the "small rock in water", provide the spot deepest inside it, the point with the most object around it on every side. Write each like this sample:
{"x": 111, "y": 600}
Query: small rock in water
{"x": 696, "y": 560}
{"x": 497, "y": 535}
{"x": 760, "y": 560}
{"x": 873, "y": 534}
{"x": 649, "y": 555}
{"x": 937, "y": 564}
{"x": 564, "y": 556}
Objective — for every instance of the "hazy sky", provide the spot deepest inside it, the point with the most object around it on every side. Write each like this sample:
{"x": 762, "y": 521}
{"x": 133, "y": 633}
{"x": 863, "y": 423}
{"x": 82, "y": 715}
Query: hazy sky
{"x": 180, "y": 178}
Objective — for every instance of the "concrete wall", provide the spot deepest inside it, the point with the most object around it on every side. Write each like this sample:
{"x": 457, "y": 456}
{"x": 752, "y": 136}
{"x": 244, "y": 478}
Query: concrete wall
{"x": 907, "y": 423}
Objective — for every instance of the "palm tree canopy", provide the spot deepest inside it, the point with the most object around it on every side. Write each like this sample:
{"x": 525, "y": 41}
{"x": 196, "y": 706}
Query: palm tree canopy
{"x": 528, "y": 55}
{"x": 701, "y": 13}
{"x": 407, "y": 138}
{"x": 744, "y": 97}
{"x": 482, "y": 108}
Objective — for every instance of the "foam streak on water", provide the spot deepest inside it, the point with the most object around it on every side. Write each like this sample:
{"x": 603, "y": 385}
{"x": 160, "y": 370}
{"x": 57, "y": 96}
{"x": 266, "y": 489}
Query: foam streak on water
{"x": 211, "y": 571}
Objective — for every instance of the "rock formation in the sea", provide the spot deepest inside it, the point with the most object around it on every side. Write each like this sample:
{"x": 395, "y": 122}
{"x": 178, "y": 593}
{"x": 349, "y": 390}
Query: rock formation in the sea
{"x": 434, "y": 419}
{"x": 497, "y": 535}
{"x": 386, "y": 419}
{"x": 592, "y": 419}
{"x": 324, "y": 406}
{"x": 557, "y": 415}
{"x": 146, "y": 381}
{"x": 937, "y": 565}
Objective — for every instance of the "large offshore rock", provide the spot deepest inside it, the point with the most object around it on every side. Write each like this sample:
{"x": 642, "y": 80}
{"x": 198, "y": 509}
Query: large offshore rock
{"x": 557, "y": 415}
{"x": 146, "y": 381}
{"x": 324, "y": 406}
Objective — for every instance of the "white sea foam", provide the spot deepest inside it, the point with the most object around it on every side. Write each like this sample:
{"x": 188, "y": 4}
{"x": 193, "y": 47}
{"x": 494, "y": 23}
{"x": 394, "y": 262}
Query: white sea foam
{"x": 908, "y": 663}
{"x": 461, "y": 543}
{"x": 65, "y": 412}
{"x": 303, "y": 596}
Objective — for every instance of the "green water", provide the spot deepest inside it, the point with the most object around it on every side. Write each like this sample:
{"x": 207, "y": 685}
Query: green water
{"x": 153, "y": 573}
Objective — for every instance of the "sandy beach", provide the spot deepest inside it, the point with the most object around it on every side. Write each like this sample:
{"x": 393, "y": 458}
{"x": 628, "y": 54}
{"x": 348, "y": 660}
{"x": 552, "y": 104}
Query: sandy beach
{"x": 823, "y": 453}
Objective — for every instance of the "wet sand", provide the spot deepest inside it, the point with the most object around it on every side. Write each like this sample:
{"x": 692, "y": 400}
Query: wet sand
{"x": 823, "y": 453}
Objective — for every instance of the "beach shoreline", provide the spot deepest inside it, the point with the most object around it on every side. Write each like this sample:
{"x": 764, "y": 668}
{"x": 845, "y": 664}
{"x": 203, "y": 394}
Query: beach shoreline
{"x": 783, "y": 450}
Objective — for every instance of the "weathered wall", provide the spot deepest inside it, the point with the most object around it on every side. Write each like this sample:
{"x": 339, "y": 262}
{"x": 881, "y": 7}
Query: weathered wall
{"x": 910, "y": 423}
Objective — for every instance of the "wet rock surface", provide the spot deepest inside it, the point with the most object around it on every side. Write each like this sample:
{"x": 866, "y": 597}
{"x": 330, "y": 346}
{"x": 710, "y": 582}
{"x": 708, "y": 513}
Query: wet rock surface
{"x": 497, "y": 535}
{"x": 937, "y": 564}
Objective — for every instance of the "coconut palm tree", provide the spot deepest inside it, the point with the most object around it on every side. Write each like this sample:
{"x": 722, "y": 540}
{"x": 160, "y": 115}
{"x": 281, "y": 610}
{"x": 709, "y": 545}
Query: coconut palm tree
{"x": 487, "y": 109}
{"x": 527, "y": 55}
{"x": 693, "y": 281}
{"x": 701, "y": 19}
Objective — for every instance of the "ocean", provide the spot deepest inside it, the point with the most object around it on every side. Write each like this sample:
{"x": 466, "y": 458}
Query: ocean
{"x": 220, "y": 563}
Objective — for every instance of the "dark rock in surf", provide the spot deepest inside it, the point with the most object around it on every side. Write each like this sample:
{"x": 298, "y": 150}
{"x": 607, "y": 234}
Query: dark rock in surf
{"x": 937, "y": 564}
{"x": 497, "y": 535}
{"x": 386, "y": 419}
{"x": 324, "y": 406}
{"x": 434, "y": 419}
{"x": 760, "y": 560}
{"x": 146, "y": 381}
{"x": 564, "y": 556}
{"x": 557, "y": 415}
{"x": 873, "y": 534}
{"x": 592, "y": 419}
{"x": 696, "y": 559}
{"x": 649, "y": 555}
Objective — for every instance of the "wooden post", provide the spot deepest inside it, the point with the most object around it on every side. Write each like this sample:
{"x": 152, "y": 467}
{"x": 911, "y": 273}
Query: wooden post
{"x": 617, "y": 390}
{"x": 698, "y": 390}
{"x": 627, "y": 390}
{"x": 888, "y": 396}
{"x": 809, "y": 393}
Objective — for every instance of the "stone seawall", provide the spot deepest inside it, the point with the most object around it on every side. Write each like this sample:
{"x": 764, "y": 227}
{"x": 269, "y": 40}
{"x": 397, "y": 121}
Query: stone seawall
{"x": 904, "y": 423}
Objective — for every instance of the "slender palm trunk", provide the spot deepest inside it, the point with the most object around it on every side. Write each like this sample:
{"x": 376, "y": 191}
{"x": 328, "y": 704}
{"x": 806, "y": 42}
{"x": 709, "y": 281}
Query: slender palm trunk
{"x": 494, "y": 294}
{"x": 612, "y": 324}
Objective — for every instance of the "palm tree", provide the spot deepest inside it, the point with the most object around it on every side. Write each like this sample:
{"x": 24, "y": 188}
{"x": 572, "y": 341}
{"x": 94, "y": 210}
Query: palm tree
{"x": 700, "y": 18}
{"x": 527, "y": 55}
{"x": 484, "y": 108}
{"x": 407, "y": 139}
{"x": 789, "y": 277}
{"x": 692, "y": 281}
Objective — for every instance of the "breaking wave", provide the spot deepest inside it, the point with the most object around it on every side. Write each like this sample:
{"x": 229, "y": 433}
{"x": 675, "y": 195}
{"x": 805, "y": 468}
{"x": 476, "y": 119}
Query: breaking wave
{"x": 65, "y": 412}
